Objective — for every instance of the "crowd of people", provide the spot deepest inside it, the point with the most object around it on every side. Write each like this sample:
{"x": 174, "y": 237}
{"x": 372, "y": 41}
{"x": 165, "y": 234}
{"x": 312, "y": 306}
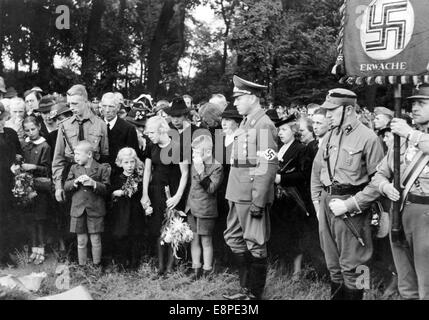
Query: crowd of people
{"x": 310, "y": 183}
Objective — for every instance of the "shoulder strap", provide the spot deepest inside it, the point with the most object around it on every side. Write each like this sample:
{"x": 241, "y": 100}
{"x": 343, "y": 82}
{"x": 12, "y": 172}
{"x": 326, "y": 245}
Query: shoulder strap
{"x": 66, "y": 139}
{"x": 413, "y": 171}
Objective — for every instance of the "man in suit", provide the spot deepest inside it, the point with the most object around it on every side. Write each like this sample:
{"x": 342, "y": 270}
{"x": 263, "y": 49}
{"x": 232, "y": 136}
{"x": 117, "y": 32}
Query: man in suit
{"x": 120, "y": 133}
{"x": 250, "y": 189}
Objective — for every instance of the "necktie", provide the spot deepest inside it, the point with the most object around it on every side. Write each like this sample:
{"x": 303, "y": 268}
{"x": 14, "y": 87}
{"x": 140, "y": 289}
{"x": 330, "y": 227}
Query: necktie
{"x": 81, "y": 132}
{"x": 108, "y": 127}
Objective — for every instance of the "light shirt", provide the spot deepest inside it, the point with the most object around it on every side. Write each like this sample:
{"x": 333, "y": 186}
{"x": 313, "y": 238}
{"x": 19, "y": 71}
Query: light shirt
{"x": 112, "y": 122}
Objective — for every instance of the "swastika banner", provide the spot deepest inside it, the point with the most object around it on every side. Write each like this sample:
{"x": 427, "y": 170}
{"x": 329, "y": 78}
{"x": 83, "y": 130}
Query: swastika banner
{"x": 385, "y": 38}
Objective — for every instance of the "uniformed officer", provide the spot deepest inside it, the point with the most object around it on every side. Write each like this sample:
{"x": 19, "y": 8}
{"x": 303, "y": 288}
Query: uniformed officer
{"x": 250, "y": 189}
{"x": 83, "y": 125}
{"x": 343, "y": 165}
{"x": 412, "y": 256}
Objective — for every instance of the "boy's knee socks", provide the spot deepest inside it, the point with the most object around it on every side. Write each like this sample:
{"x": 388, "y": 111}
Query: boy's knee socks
{"x": 96, "y": 248}
{"x": 82, "y": 249}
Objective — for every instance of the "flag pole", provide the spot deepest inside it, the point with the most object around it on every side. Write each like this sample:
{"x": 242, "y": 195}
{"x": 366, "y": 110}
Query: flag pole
{"x": 396, "y": 232}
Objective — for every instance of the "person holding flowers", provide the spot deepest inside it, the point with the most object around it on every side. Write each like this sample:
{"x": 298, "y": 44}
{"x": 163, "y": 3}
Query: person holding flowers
{"x": 206, "y": 178}
{"x": 127, "y": 213}
{"x": 162, "y": 168}
{"x": 37, "y": 162}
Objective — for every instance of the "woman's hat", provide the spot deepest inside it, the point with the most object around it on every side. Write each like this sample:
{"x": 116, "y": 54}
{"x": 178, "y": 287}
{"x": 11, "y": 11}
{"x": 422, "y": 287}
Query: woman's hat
{"x": 137, "y": 116}
{"x": 231, "y": 112}
{"x": 178, "y": 108}
{"x": 273, "y": 115}
{"x": 11, "y": 93}
{"x": 291, "y": 118}
{"x": 45, "y": 104}
{"x": 59, "y": 109}
{"x": 3, "y": 112}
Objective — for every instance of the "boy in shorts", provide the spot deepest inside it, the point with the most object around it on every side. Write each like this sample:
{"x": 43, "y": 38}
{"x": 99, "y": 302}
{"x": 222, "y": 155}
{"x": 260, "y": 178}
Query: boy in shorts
{"x": 89, "y": 182}
{"x": 207, "y": 175}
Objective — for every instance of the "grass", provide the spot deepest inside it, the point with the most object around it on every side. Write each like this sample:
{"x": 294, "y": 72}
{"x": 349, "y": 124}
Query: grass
{"x": 145, "y": 285}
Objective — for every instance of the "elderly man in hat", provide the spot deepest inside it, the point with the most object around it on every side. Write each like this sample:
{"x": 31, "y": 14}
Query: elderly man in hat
{"x": 83, "y": 125}
{"x": 250, "y": 189}
{"x": 343, "y": 166}
{"x": 411, "y": 255}
{"x": 121, "y": 134}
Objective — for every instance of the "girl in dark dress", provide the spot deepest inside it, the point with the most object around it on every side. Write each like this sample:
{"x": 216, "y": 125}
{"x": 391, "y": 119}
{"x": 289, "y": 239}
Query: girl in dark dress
{"x": 37, "y": 157}
{"x": 10, "y": 147}
{"x": 128, "y": 215}
{"x": 162, "y": 168}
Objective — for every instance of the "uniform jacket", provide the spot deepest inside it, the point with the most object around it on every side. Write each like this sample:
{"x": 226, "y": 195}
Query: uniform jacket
{"x": 87, "y": 197}
{"x": 202, "y": 196}
{"x": 352, "y": 163}
{"x": 95, "y": 131}
{"x": 254, "y": 161}
{"x": 385, "y": 171}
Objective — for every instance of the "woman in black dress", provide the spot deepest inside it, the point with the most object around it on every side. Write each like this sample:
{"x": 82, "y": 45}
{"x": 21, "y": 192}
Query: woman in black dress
{"x": 289, "y": 209}
{"x": 9, "y": 148}
{"x": 162, "y": 168}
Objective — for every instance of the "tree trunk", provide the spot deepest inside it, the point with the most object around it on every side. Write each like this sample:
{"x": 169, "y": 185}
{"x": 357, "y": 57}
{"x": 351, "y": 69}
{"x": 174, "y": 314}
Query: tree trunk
{"x": 1, "y": 35}
{"x": 154, "y": 57}
{"x": 90, "y": 43}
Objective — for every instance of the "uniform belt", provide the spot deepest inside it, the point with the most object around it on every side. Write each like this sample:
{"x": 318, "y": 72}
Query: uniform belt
{"x": 339, "y": 190}
{"x": 418, "y": 199}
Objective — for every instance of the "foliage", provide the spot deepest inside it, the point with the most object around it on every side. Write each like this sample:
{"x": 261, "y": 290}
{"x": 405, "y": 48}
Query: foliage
{"x": 288, "y": 45}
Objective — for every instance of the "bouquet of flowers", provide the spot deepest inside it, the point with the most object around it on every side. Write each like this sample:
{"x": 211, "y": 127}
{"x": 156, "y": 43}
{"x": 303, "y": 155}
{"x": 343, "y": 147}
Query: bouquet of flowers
{"x": 23, "y": 188}
{"x": 174, "y": 230}
{"x": 130, "y": 187}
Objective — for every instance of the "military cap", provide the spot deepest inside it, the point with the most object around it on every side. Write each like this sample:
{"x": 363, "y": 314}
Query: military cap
{"x": 2, "y": 85}
{"x": 59, "y": 109}
{"x": 288, "y": 119}
{"x": 45, "y": 104}
{"x": 242, "y": 87}
{"x": 383, "y": 110}
{"x": 420, "y": 92}
{"x": 339, "y": 97}
{"x": 78, "y": 89}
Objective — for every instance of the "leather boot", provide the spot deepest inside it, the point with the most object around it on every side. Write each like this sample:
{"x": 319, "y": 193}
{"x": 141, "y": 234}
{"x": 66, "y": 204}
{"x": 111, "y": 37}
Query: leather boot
{"x": 257, "y": 276}
{"x": 241, "y": 260}
{"x": 353, "y": 294}
{"x": 337, "y": 291}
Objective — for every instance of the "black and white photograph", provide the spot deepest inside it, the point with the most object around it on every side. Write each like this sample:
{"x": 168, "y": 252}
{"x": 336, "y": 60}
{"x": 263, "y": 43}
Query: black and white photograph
{"x": 214, "y": 156}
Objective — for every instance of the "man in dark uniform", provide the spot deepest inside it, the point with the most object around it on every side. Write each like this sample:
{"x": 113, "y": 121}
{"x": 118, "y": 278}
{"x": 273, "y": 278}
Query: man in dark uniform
{"x": 250, "y": 190}
{"x": 343, "y": 166}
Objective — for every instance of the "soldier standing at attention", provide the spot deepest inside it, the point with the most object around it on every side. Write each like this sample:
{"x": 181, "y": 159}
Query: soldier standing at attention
{"x": 83, "y": 125}
{"x": 411, "y": 257}
{"x": 250, "y": 190}
{"x": 343, "y": 166}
